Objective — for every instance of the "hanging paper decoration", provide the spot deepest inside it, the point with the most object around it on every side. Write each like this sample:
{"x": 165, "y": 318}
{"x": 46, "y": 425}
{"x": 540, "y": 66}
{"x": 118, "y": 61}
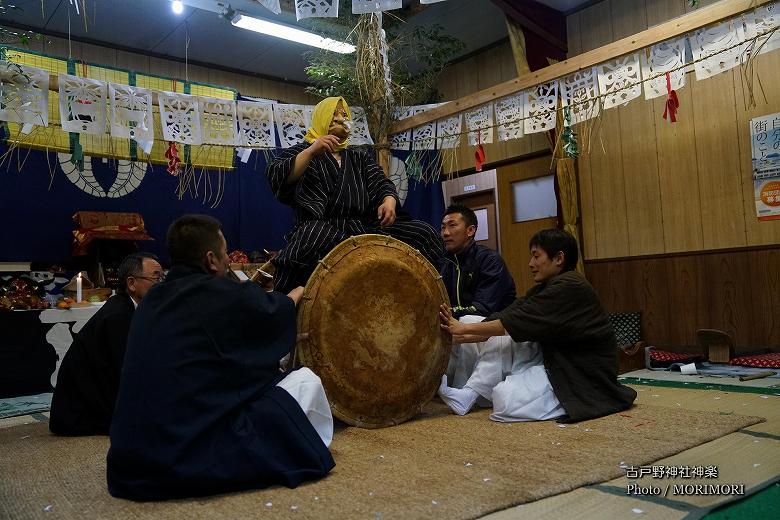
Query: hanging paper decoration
{"x": 359, "y": 132}
{"x": 672, "y": 102}
{"x": 316, "y": 9}
{"x": 82, "y": 105}
{"x": 400, "y": 141}
{"x": 580, "y": 91}
{"x": 174, "y": 162}
{"x": 480, "y": 121}
{"x": 180, "y": 117}
{"x": 448, "y": 132}
{"x": 539, "y": 104}
{"x": 255, "y": 124}
{"x": 718, "y": 48}
{"x": 620, "y": 81}
{"x": 24, "y": 94}
{"x": 568, "y": 136}
{"x": 375, "y": 6}
{"x": 218, "y": 120}
{"x": 761, "y": 22}
{"x": 424, "y": 137}
{"x": 271, "y": 5}
{"x": 292, "y": 121}
{"x": 383, "y": 50}
{"x": 509, "y": 117}
{"x": 131, "y": 116}
{"x": 668, "y": 56}
{"x": 399, "y": 177}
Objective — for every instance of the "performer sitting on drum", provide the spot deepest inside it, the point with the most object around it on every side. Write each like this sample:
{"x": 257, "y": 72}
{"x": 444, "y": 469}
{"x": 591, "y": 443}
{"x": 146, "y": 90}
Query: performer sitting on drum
{"x": 559, "y": 360}
{"x": 336, "y": 192}
{"x": 202, "y": 406}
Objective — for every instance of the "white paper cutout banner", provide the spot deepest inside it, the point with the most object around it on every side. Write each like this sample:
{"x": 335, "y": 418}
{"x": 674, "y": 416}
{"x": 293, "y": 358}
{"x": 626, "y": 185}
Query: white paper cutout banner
{"x": 620, "y": 81}
{"x": 401, "y": 141}
{"x": 359, "y": 134}
{"x": 424, "y": 137}
{"x": 271, "y": 5}
{"x": 762, "y": 21}
{"x": 480, "y": 124}
{"x": 132, "y": 115}
{"x": 509, "y": 117}
{"x": 255, "y": 124}
{"x": 580, "y": 91}
{"x": 292, "y": 122}
{"x": 375, "y": 6}
{"x": 448, "y": 132}
{"x": 24, "y": 94}
{"x": 717, "y": 49}
{"x": 539, "y": 104}
{"x": 657, "y": 61}
{"x": 316, "y": 9}
{"x": 82, "y": 105}
{"x": 180, "y": 117}
{"x": 218, "y": 120}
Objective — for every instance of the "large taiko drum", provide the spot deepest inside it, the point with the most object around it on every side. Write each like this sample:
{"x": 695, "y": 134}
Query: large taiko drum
{"x": 371, "y": 313}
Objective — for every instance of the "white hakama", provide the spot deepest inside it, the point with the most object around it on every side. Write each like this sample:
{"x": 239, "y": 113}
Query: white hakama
{"x": 508, "y": 374}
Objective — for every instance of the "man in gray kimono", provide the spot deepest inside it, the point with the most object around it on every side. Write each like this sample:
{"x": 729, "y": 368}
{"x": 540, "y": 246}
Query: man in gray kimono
{"x": 560, "y": 342}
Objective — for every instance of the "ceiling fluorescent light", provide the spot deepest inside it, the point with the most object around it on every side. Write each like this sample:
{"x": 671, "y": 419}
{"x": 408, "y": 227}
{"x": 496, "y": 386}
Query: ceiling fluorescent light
{"x": 290, "y": 33}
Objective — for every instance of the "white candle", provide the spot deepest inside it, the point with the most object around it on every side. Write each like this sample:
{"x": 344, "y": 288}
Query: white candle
{"x": 78, "y": 288}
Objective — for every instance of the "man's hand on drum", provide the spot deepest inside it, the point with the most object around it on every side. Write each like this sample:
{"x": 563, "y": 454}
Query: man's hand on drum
{"x": 386, "y": 211}
{"x": 324, "y": 143}
{"x": 296, "y": 294}
{"x": 449, "y": 323}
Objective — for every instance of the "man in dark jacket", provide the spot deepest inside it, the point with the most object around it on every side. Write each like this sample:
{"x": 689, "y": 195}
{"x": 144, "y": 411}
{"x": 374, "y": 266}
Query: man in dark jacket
{"x": 477, "y": 280}
{"x": 202, "y": 405}
{"x": 564, "y": 355}
{"x": 88, "y": 380}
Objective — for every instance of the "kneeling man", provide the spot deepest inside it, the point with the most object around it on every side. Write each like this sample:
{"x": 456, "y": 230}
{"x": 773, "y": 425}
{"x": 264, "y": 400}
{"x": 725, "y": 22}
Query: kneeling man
{"x": 202, "y": 405}
{"x": 559, "y": 360}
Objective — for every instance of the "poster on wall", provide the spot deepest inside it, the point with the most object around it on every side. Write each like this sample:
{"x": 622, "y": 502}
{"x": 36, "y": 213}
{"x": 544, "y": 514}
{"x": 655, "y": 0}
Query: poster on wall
{"x": 765, "y": 145}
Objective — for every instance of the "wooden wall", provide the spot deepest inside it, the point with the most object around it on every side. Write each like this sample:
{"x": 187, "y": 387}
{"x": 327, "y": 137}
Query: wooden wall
{"x": 649, "y": 187}
{"x": 246, "y": 84}
{"x": 734, "y": 291}
{"x": 682, "y": 194}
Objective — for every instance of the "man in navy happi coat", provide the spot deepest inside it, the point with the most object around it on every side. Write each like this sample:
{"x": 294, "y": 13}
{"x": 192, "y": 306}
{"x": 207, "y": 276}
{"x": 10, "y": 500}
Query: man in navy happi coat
{"x": 199, "y": 411}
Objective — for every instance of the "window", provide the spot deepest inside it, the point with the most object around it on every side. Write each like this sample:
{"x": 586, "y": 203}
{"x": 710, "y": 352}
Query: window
{"x": 533, "y": 199}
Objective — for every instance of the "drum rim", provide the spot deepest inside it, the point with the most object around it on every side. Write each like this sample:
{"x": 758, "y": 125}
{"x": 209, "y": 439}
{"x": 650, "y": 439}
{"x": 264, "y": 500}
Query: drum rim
{"x": 305, "y": 314}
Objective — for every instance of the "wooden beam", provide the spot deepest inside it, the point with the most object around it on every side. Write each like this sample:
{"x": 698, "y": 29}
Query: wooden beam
{"x": 694, "y": 20}
{"x": 528, "y": 17}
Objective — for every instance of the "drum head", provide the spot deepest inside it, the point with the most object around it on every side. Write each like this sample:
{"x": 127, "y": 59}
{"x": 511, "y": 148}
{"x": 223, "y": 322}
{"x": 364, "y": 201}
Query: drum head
{"x": 371, "y": 311}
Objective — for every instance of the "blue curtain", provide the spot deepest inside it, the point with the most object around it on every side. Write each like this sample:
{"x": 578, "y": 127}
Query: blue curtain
{"x": 38, "y": 211}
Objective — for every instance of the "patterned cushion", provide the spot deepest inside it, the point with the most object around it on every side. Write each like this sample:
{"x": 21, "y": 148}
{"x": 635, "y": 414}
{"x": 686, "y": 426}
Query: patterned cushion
{"x": 663, "y": 356}
{"x": 627, "y": 327}
{"x": 759, "y": 360}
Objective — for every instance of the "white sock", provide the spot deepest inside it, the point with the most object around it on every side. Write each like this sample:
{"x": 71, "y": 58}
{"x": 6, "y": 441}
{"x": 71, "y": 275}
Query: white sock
{"x": 460, "y": 400}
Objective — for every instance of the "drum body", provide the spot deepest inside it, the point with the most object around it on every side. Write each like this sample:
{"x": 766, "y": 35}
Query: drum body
{"x": 370, "y": 309}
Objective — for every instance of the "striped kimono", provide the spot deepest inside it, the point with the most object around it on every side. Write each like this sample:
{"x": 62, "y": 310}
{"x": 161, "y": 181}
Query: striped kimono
{"x": 332, "y": 202}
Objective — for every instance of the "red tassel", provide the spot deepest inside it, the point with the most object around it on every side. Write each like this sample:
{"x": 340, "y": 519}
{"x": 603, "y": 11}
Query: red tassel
{"x": 479, "y": 153}
{"x": 672, "y": 102}
{"x": 172, "y": 154}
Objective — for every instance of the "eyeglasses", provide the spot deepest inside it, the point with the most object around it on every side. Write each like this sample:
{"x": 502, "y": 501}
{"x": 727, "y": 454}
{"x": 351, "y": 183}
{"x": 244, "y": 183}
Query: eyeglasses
{"x": 158, "y": 278}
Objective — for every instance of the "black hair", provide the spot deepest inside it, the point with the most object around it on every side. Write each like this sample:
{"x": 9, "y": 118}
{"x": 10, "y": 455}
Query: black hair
{"x": 469, "y": 217}
{"x": 554, "y": 240}
{"x": 132, "y": 265}
{"x": 190, "y": 237}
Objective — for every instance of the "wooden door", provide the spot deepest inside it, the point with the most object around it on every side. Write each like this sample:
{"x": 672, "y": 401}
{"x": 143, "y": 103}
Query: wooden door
{"x": 484, "y": 205}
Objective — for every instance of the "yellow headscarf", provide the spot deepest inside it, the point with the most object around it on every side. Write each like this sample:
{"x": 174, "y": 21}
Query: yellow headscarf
{"x": 323, "y": 116}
